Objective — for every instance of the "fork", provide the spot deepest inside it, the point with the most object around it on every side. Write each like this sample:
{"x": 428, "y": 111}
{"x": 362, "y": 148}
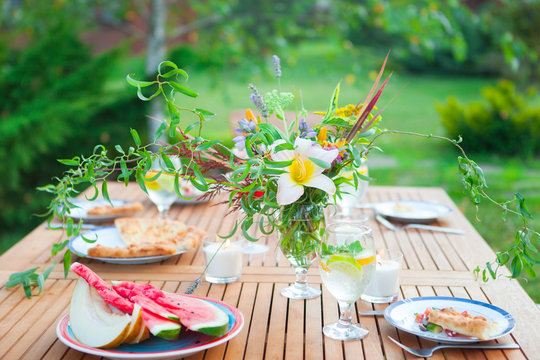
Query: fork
{"x": 393, "y": 227}
{"x": 427, "y": 352}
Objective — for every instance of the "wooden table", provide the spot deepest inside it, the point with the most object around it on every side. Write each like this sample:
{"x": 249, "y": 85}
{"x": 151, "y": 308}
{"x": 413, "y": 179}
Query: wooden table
{"x": 275, "y": 328}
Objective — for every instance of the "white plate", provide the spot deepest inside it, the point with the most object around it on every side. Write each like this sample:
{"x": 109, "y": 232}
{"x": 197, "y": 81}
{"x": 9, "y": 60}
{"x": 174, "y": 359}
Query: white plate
{"x": 401, "y": 314}
{"x": 109, "y": 236}
{"x": 411, "y": 211}
{"x": 79, "y": 213}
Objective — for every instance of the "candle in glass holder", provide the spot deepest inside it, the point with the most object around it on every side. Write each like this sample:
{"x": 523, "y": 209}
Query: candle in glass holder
{"x": 225, "y": 262}
{"x": 384, "y": 286}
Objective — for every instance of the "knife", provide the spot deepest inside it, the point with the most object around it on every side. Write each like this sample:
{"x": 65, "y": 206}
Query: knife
{"x": 393, "y": 227}
{"x": 371, "y": 313}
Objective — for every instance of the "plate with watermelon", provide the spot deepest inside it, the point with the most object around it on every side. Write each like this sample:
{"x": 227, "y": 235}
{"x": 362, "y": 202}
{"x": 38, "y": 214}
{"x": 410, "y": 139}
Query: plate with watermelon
{"x": 138, "y": 321}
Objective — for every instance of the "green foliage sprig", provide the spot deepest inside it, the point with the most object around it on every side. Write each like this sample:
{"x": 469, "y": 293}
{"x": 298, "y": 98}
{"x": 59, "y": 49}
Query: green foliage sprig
{"x": 251, "y": 179}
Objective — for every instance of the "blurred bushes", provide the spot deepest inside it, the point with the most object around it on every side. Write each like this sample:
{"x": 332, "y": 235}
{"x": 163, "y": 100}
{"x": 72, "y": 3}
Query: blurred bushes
{"x": 504, "y": 123}
{"x": 54, "y": 105}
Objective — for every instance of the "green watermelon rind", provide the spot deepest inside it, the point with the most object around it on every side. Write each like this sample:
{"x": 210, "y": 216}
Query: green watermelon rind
{"x": 218, "y": 327}
{"x": 166, "y": 331}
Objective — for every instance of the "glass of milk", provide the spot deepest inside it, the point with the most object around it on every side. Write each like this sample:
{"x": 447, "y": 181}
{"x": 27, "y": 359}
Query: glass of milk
{"x": 384, "y": 286}
{"x": 224, "y": 260}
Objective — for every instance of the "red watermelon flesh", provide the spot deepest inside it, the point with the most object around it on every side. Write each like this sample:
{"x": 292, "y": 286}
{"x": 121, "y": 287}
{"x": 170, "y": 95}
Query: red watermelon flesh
{"x": 104, "y": 290}
{"x": 145, "y": 302}
{"x": 195, "y": 314}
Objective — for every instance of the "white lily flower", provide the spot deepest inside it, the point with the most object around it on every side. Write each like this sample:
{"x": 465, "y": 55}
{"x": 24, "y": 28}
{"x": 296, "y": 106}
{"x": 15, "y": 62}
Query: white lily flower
{"x": 302, "y": 172}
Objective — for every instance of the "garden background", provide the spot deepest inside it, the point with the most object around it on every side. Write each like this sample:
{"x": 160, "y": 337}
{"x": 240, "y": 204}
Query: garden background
{"x": 460, "y": 68}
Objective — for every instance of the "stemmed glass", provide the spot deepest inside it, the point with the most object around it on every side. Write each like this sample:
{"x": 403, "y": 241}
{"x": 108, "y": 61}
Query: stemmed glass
{"x": 161, "y": 189}
{"x": 353, "y": 197}
{"x": 347, "y": 263}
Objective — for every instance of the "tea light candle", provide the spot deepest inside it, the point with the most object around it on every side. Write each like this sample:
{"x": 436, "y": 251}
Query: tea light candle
{"x": 226, "y": 264}
{"x": 384, "y": 286}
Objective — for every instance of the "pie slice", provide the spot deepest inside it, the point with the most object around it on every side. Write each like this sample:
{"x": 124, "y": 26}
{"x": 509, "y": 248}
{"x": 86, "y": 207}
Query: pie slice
{"x": 110, "y": 210}
{"x": 463, "y": 323}
{"x": 140, "y": 230}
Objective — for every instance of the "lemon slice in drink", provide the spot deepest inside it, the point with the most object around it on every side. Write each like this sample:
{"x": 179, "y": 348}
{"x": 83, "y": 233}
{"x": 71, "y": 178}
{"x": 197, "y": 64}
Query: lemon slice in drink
{"x": 347, "y": 268}
{"x": 163, "y": 182}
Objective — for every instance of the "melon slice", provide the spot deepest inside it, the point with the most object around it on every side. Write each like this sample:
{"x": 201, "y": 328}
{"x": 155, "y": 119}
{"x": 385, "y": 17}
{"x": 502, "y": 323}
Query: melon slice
{"x": 141, "y": 336}
{"x": 195, "y": 314}
{"x": 103, "y": 289}
{"x": 93, "y": 322}
{"x": 159, "y": 326}
{"x": 136, "y": 325}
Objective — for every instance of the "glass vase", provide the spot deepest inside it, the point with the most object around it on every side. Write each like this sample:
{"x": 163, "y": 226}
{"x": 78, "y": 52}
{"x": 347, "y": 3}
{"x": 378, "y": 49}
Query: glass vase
{"x": 301, "y": 228}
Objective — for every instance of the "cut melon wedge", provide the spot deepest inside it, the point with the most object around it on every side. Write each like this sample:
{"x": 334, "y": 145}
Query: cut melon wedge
{"x": 93, "y": 322}
{"x": 135, "y": 328}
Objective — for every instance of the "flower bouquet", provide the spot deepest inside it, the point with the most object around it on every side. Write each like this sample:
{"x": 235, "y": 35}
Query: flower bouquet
{"x": 280, "y": 177}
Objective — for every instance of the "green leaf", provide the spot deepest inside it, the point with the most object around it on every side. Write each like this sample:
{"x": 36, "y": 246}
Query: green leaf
{"x": 69, "y": 162}
{"x": 96, "y": 193}
{"x": 320, "y": 163}
{"x": 184, "y": 90}
{"x": 144, "y": 98}
{"x": 47, "y": 272}
{"x": 278, "y": 164}
{"x": 135, "y": 136}
{"x": 57, "y": 247}
{"x": 14, "y": 282}
{"x": 232, "y": 233}
{"x": 41, "y": 283}
{"x": 516, "y": 267}
{"x": 140, "y": 180}
{"x": 125, "y": 171}
{"x": 22, "y": 274}
{"x": 27, "y": 287}
{"x": 207, "y": 145}
{"x": 176, "y": 72}
{"x": 491, "y": 272}
{"x": 208, "y": 115}
{"x": 105, "y": 193}
{"x": 521, "y": 206}
{"x": 168, "y": 163}
{"x": 284, "y": 146}
{"x": 138, "y": 83}
{"x": 67, "y": 262}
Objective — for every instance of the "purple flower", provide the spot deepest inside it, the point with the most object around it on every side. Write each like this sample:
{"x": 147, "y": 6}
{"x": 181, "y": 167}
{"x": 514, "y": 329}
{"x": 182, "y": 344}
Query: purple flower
{"x": 305, "y": 130}
{"x": 258, "y": 100}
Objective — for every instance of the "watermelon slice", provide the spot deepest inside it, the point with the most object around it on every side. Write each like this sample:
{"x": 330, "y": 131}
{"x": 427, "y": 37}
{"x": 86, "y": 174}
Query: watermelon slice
{"x": 103, "y": 289}
{"x": 146, "y": 303}
{"x": 160, "y": 326}
{"x": 195, "y": 314}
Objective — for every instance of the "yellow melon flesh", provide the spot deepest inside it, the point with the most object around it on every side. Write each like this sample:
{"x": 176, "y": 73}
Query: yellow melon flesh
{"x": 135, "y": 326}
{"x": 93, "y": 322}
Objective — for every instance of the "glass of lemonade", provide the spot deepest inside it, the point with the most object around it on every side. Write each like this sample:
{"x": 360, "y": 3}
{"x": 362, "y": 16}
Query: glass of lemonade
{"x": 161, "y": 188}
{"x": 347, "y": 263}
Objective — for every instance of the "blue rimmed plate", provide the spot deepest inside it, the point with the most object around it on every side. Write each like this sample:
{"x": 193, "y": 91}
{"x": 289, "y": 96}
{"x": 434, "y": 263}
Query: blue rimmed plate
{"x": 401, "y": 314}
{"x": 189, "y": 342}
{"x": 109, "y": 236}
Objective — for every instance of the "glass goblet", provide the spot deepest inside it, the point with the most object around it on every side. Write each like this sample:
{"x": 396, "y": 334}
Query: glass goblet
{"x": 347, "y": 263}
{"x": 161, "y": 189}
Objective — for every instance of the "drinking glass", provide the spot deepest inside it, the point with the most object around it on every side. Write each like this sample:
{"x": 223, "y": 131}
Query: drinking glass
{"x": 346, "y": 262}
{"x": 353, "y": 197}
{"x": 161, "y": 190}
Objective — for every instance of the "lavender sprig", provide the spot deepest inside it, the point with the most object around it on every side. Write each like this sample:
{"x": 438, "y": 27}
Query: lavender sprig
{"x": 305, "y": 130}
{"x": 258, "y": 101}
